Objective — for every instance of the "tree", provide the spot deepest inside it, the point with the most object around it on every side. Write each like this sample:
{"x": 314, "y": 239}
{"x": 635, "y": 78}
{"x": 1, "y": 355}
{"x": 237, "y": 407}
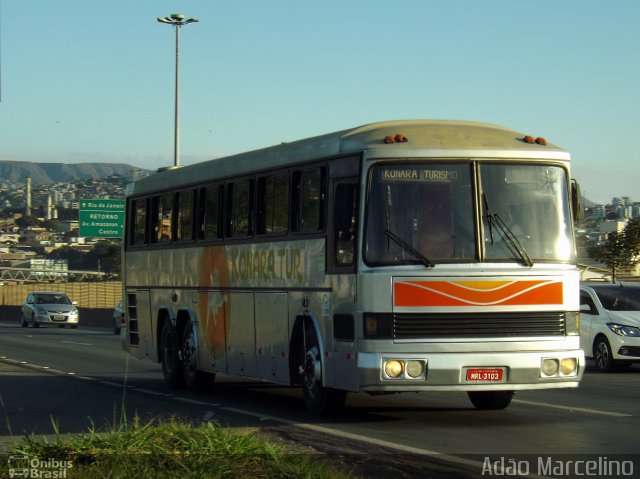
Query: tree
{"x": 109, "y": 257}
{"x": 620, "y": 249}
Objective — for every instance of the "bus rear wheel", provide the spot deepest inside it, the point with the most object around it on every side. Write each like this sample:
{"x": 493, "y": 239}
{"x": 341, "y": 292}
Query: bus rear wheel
{"x": 318, "y": 399}
{"x": 194, "y": 378}
{"x": 171, "y": 364}
{"x": 487, "y": 400}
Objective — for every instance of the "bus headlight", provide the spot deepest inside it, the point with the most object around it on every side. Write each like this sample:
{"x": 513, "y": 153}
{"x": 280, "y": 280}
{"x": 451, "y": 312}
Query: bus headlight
{"x": 393, "y": 368}
{"x": 415, "y": 369}
{"x": 404, "y": 368}
{"x": 568, "y": 366}
{"x": 558, "y": 367}
{"x": 549, "y": 367}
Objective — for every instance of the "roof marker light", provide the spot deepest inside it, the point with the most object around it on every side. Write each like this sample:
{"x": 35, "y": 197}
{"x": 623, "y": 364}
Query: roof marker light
{"x": 528, "y": 139}
{"x": 541, "y": 141}
{"x": 399, "y": 138}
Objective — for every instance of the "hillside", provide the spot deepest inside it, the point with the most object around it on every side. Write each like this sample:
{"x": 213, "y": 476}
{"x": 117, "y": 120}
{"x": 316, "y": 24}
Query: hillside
{"x": 50, "y": 173}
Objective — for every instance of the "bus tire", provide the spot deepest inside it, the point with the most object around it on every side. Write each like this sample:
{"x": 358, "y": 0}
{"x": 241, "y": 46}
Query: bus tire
{"x": 194, "y": 378}
{"x": 318, "y": 399}
{"x": 170, "y": 358}
{"x": 488, "y": 400}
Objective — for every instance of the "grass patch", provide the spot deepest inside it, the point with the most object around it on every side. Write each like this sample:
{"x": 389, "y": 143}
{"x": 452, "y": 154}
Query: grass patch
{"x": 171, "y": 450}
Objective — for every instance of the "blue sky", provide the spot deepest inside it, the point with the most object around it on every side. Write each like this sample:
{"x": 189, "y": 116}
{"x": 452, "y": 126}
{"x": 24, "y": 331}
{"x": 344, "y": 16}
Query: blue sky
{"x": 86, "y": 81}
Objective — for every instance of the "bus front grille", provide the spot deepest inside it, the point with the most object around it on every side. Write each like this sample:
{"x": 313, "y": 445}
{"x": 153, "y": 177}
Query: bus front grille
{"x": 474, "y": 325}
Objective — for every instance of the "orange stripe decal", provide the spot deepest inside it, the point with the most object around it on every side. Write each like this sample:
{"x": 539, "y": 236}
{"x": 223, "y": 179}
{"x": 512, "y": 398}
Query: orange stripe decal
{"x": 477, "y": 293}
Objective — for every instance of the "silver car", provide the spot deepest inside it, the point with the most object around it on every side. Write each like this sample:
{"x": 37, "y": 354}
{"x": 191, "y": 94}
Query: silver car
{"x": 49, "y": 308}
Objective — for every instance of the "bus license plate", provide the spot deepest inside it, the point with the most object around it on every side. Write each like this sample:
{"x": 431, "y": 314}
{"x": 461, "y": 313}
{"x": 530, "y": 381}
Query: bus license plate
{"x": 485, "y": 375}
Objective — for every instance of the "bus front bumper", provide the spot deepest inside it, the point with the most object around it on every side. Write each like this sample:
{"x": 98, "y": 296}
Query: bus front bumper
{"x": 396, "y": 372}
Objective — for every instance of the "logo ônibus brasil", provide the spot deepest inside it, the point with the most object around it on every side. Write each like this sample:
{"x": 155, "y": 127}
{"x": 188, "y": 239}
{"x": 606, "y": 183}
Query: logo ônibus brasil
{"x": 34, "y": 467}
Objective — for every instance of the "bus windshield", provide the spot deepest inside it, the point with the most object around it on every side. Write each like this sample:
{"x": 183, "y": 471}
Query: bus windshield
{"x": 525, "y": 213}
{"x": 424, "y": 213}
{"x": 424, "y": 207}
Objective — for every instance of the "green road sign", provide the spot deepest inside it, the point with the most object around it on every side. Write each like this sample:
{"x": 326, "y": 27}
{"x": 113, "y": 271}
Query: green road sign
{"x": 101, "y": 218}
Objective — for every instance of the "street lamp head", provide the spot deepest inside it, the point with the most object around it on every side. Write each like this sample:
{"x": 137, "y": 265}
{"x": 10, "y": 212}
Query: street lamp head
{"x": 177, "y": 20}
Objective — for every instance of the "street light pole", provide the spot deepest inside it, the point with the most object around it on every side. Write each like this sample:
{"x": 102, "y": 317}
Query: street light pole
{"x": 177, "y": 20}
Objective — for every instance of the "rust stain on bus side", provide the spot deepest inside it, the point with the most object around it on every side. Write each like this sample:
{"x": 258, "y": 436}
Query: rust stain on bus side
{"x": 213, "y": 274}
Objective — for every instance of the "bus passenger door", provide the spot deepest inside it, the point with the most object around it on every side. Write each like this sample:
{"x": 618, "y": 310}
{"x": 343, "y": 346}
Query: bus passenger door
{"x": 272, "y": 333}
{"x": 340, "y": 304}
{"x": 241, "y": 343}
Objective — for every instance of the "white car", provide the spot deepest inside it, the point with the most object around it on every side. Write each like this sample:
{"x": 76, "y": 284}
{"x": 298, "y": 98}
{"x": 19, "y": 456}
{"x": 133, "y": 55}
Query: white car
{"x": 49, "y": 308}
{"x": 610, "y": 323}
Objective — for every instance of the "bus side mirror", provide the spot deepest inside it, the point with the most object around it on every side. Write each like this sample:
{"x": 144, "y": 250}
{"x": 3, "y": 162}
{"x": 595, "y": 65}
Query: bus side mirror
{"x": 576, "y": 202}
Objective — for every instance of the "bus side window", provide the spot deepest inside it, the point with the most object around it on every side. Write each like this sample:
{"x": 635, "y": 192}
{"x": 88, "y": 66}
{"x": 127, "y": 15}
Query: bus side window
{"x": 209, "y": 211}
{"x": 273, "y": 205}
{"x": 345, "y": 210}
{"x": 241, "y": 206}
{"x": 138, "y": 222}
{"x": 162, "y": 209}
{"x": 184, "y": 215}
{"x": 309, "y": 194}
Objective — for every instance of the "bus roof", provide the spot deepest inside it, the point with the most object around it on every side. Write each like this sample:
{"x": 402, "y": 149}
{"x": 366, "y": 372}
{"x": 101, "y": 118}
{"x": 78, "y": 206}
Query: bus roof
{"x": 424, "y": 139}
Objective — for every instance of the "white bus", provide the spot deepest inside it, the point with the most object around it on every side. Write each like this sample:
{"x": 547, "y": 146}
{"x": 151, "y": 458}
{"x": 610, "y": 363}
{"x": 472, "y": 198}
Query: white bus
{"x": 397, "y": 256}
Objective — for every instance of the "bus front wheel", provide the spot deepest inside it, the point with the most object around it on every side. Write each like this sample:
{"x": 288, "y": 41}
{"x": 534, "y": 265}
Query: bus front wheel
{"x": 171, "y": 364}
{"x": 486, "y": 400}
{"x": 318, "y": 399}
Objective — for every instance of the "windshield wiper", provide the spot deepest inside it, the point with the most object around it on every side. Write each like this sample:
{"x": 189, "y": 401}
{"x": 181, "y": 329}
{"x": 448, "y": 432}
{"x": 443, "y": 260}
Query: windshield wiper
{"x": 507, "y": 235}
{"x": 409, "y": 249}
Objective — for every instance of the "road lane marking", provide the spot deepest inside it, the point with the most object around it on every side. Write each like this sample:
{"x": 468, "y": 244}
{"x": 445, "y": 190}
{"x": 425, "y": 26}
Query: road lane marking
{"x": 150, "y": 391}
{"x": 192, "y": 401}
{"x": 573, "y": 409}
{"x": 77, "y": 342}
{"x": 111, "y": 383}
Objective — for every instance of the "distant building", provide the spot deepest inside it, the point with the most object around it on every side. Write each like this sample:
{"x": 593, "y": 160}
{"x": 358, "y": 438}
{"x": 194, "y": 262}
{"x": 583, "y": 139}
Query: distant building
{"x": 621, "y": 201}
{"x": 68, "y": 226}
{"x": 9, "y": 238}
{"x": 611, "y": 226}
{"x": 624, "y": 211}
{"x": 598, "y": 212}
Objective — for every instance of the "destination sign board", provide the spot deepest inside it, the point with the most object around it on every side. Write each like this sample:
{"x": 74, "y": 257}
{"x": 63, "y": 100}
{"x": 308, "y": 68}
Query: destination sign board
{"x": 101, "y": 218}
{"x": 421, "y": 174}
